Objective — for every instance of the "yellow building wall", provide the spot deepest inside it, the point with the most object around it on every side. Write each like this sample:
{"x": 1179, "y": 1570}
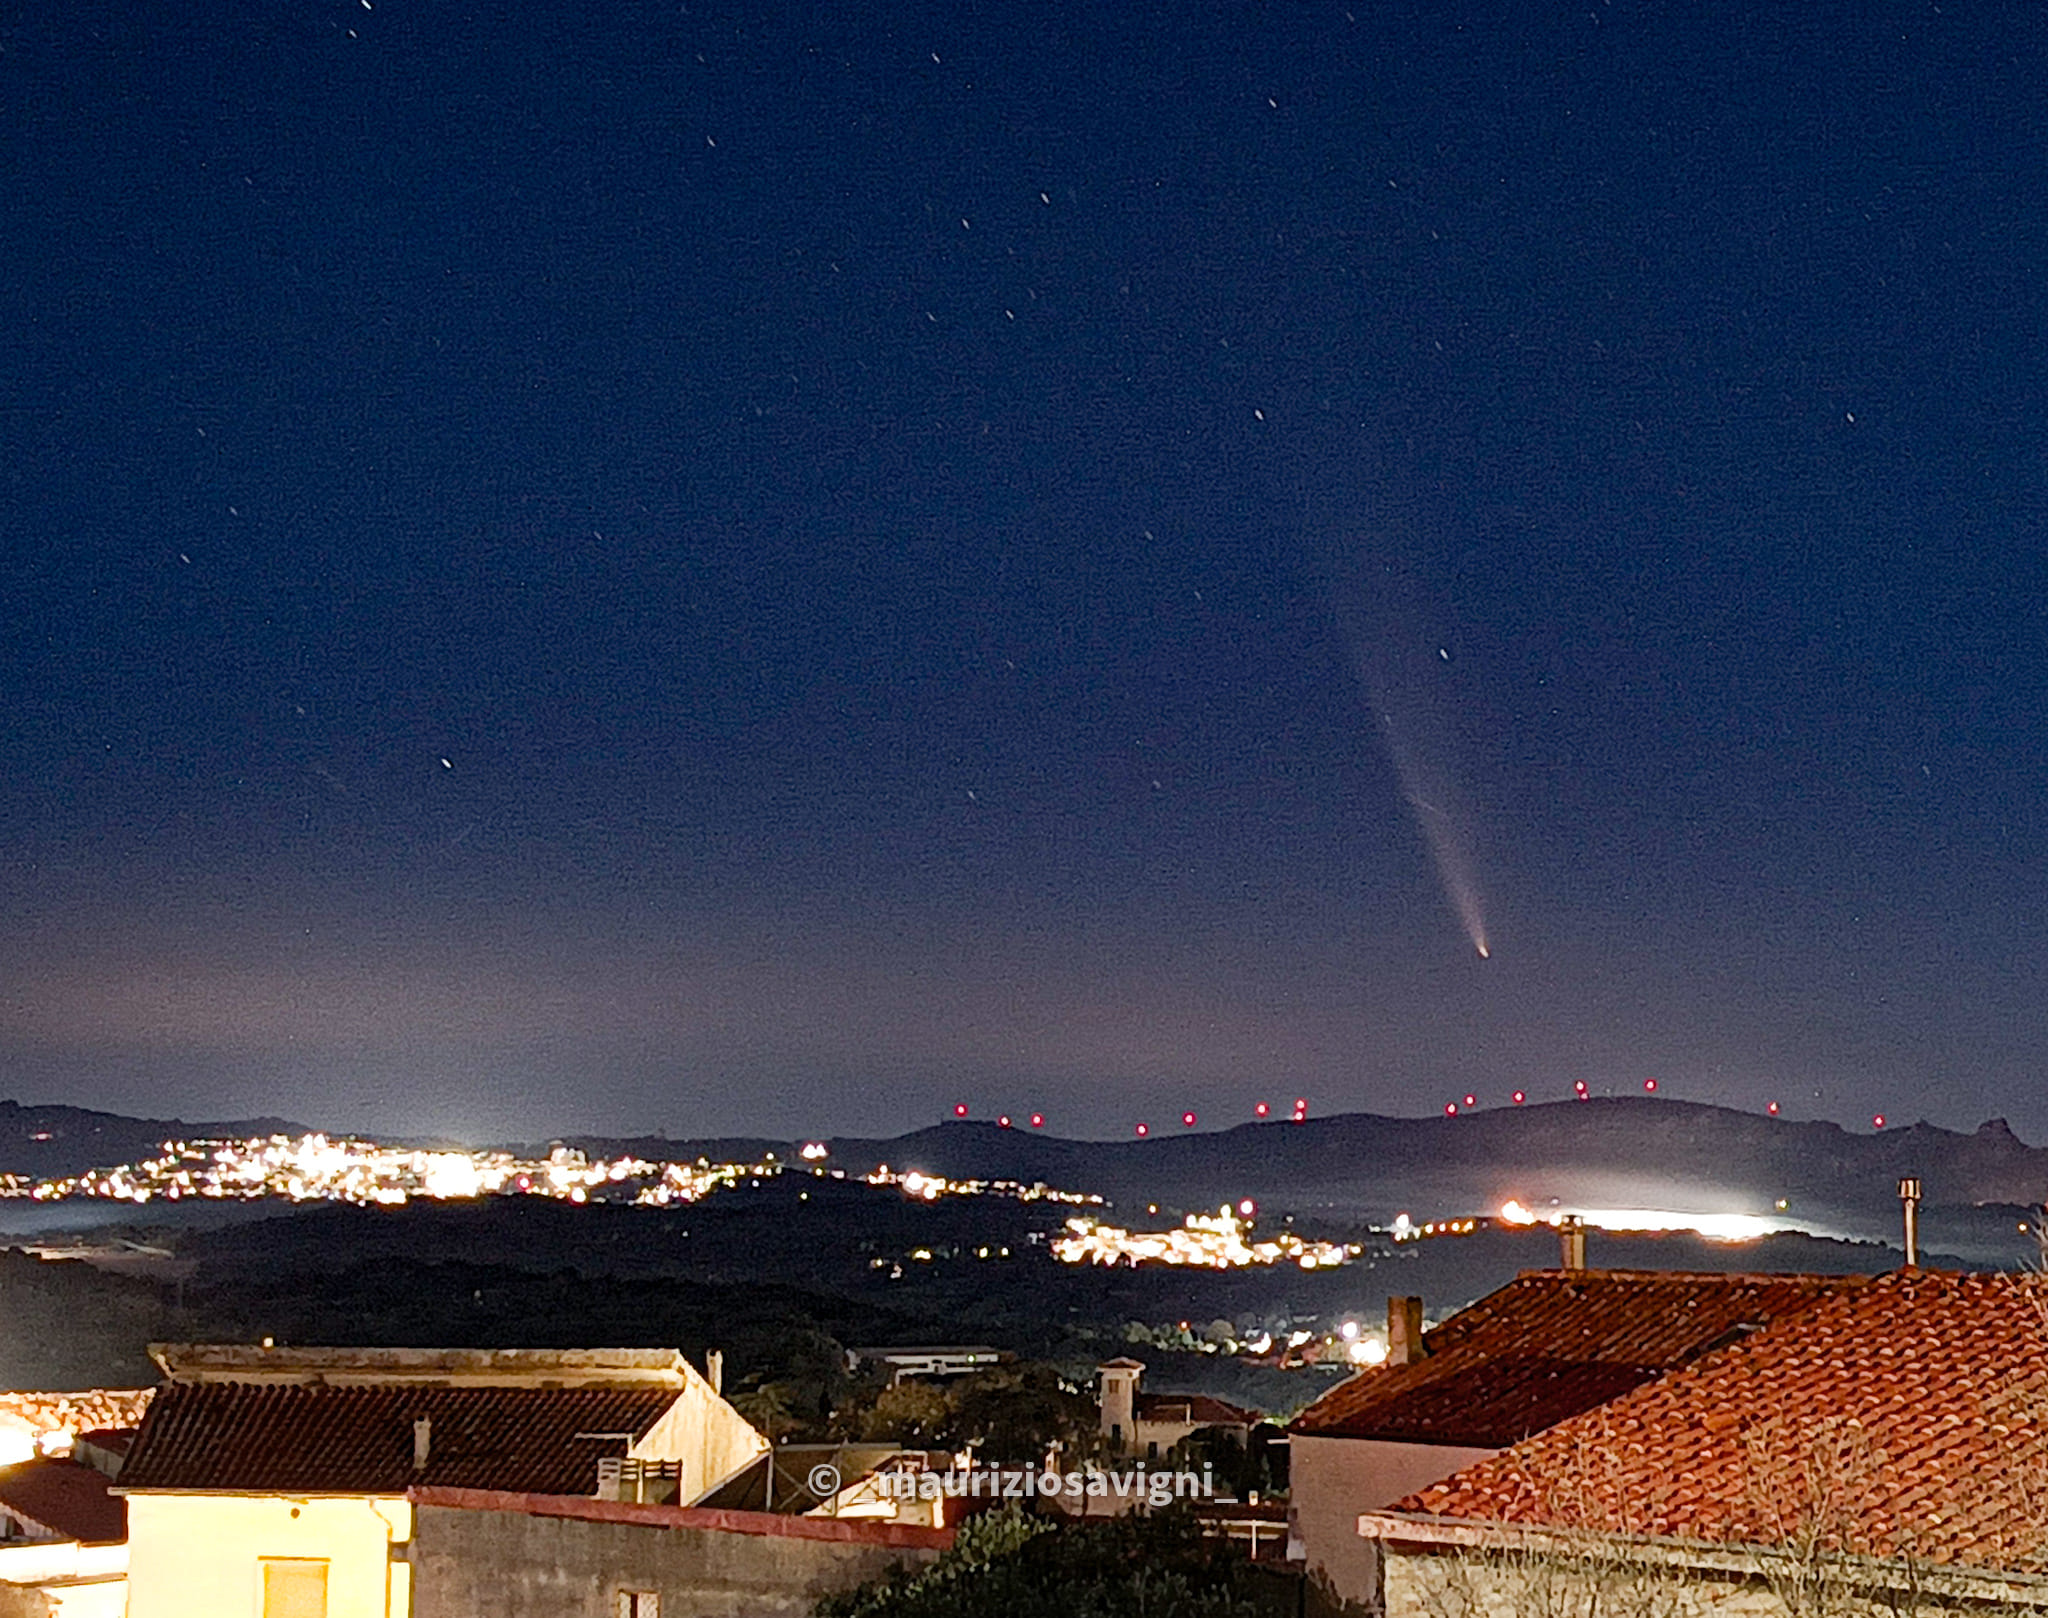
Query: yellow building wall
{"x": 200, "y": 1556}
{"x": 704, "y": 1433}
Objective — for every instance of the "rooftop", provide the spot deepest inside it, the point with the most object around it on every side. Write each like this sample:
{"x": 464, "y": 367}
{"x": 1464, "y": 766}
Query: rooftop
{"x": 275, "y": 1437}
{"x": 64, "y": 1499}
{"x": 1904, "y": 1417}
{"x": 1198, "y": 1408}
{"x": 197, "y": 1363}
{"x": 1552, "y": 1344}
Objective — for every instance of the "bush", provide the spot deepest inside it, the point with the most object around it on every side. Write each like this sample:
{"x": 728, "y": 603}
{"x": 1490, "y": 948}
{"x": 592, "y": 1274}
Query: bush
{"x": 1008, "y": 1565}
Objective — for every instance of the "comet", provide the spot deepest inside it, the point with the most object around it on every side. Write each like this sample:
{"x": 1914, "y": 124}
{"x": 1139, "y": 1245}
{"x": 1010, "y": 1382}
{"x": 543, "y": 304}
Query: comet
{"x": 1439, "y": 831}
{"x": 1411, "y": 682}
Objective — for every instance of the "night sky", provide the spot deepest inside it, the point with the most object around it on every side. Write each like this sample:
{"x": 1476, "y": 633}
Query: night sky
{"x": 727, "y": 567}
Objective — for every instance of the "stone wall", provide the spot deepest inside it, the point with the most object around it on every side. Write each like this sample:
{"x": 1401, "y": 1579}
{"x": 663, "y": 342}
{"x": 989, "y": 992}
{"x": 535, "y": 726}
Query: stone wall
{"x": 480, "y": 1555}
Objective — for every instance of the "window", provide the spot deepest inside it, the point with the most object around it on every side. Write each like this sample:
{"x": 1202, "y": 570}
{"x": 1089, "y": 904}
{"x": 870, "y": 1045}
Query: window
{"x": 639, "y": 1604}
{"x": 294, "y": 1587}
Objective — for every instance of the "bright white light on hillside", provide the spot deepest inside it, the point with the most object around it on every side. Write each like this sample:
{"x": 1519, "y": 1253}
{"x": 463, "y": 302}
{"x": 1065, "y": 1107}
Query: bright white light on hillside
{"x": 1715, "y": 1227}
{"x": 1372, "y": 1352}
{"x": 1348, "y": 1331}
{"x": 451, "y": 1174}
{"x": 813, "y": 1150}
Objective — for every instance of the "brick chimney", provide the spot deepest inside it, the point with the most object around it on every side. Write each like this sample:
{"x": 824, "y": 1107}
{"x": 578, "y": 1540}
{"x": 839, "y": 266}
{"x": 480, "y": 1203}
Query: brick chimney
{"x": 1404, "y": 1331}
{"x": 1571, "y": 1240}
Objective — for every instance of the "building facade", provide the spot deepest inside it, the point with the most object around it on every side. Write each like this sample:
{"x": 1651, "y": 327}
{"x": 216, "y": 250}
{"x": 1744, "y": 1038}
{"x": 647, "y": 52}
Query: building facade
{"x": 275, "y": 1483}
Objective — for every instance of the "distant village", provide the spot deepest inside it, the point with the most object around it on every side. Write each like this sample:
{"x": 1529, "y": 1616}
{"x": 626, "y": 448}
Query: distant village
{"x": 320, "y": 1168}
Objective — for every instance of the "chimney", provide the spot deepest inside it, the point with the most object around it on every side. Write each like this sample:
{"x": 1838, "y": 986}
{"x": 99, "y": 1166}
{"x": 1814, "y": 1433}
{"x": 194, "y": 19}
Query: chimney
{"x": 1571, "y": 1239}
{"x": 714, "y": 1369}
{"x": 422, "y": 1442}
{"x": 1909, "y": 1195}
{"x": 1404, "y": 1331}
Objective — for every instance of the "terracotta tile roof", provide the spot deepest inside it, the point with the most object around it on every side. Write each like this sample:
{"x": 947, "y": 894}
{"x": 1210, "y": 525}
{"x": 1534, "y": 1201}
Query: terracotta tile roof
{"x": 116, "y": 1441}
{"x": 1198, "y": 1408}
{"x": 65, "y": 1500}
{"x": 1906, "y": 1417}
{"x": 1551, "y": 1344}
{"x": 311, "y": 1439}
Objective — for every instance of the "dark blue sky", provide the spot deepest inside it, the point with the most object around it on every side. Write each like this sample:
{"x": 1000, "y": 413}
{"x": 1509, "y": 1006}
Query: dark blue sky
{"x": 710, "y": 566}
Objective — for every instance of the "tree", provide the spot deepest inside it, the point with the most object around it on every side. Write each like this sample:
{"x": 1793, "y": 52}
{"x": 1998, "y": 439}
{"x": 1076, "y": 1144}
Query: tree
{"x": 1007, "y": 1565}
{"x": 911, "y": 1413}
{"x": 1012, "y": 1414}
{"x": 767, "y": 1409}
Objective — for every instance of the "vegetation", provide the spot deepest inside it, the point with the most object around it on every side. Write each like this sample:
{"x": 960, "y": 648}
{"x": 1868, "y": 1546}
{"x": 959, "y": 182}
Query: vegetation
{"x": 1007, "y": 1565}
{"x": 1010, "y": 1414}
{"x": 66, "y": 1325}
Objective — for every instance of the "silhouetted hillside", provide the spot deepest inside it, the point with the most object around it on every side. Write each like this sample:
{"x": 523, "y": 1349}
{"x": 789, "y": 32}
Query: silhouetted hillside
{"x": 48, "y": 1142}
{"x": 1634, "y": 1152}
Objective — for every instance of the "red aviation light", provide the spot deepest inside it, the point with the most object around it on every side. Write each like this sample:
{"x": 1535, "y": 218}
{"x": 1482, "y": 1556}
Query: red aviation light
{"x": 1144, "y": 1129}
{"x": 1038, "y": 1120}
{"x": 1188, "y": 1119}
{"x": 959, "y": 1109}
{"x": 1520, "y": 1098}
{"x": 1261, "y": 1110}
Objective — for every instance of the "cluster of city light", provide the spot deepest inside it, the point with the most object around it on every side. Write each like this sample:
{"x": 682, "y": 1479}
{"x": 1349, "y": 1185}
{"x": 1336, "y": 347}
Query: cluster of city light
{"x": 1404, "y": 1229}
{"x": 1361, "y": 1347}
{"x": 1218, "y": 1241}
{"x": 308, "y": 1168}
{"x": 922, "y": 1187}
{"x": 1715, "y": 1227}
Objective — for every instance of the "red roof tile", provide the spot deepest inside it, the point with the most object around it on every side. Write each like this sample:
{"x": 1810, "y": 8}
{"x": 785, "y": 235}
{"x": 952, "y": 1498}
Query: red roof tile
{"x": 1198, "y": 1408}
{"x": 311, "y": 1439}
{"x": 1906, "y": 1417}
{"x": 115, "y": 1441}
{"x": 1551, "y": 1344}
{"x": 65, "y": 1499}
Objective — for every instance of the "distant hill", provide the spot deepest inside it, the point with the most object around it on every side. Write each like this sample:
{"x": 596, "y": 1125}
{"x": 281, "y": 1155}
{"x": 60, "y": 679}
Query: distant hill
{"x": 1632, "y": 1152}
{"x": 1628, "y": 1152}
{"x": 46, "y": 1142}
